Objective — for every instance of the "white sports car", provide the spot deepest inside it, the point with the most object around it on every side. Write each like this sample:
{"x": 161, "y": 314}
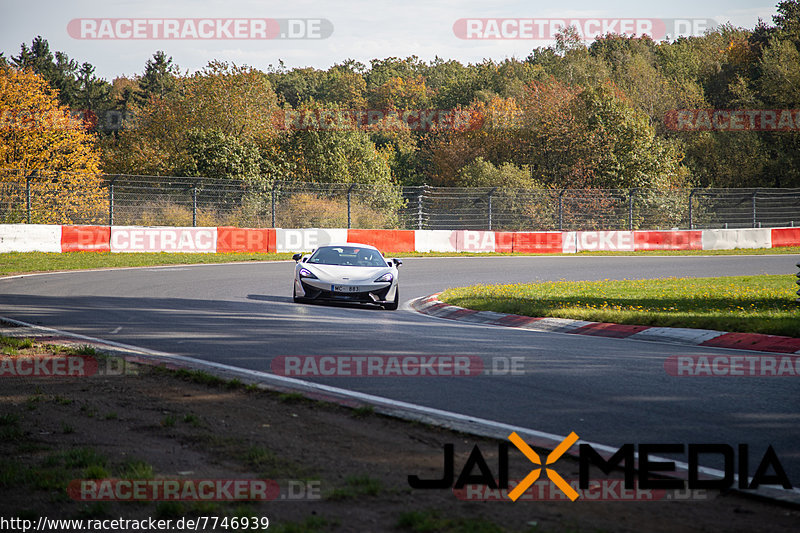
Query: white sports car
{"x": 346, "y": 273}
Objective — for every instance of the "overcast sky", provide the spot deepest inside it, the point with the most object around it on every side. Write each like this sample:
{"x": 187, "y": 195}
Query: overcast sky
{"x": 361, "y": 29}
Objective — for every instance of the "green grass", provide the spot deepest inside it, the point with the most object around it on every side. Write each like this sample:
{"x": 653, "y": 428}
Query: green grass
{"x": 10, "y": 429}
{"x": 754, "y": 304}
{"x": 136, "y": 469}
{"x": 25, "y": 262}
{"x": 19, "y": 262}
{"x": 431, "y": 521}
{"x": 312, "y": 524}
{"x": 18, "y": 343}
{"x": 363, "y": 410}
{"x": 357, "y": 486}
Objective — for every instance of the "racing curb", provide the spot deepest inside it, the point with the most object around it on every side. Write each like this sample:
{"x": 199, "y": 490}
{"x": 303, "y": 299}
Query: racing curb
{"x": 466, "y": 424}
{"x": 431, "y": 305}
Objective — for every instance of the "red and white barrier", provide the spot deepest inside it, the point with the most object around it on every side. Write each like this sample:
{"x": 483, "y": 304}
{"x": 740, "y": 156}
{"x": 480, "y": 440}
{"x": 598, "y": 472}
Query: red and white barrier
{"x": 30, "y": 238}
{"x": 85, "y": 239}
{"x": 72, "y": 238}
{"x": 245, "y": 240}
{"x": 596, "y": 241}
{"x": 163, "y": 239}
{"x": 305, "y": 240}
{"x": 475, "y": 241}
{"x": 668, "y": 240}
{"x": 543, "y": 242}
{"x": 434, "y": 240}
{"x": 388, "y": 241}
{"x": 729, "y": 239}
{"x": 785, "y": 237}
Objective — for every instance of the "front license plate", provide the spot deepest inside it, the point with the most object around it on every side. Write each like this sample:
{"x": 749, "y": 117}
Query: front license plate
{"x": 344, "y": 288}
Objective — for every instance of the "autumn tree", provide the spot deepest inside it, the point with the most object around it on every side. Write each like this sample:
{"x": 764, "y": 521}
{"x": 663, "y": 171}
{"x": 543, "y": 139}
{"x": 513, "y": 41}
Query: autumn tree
{"x": 57, "y": 69}
{"x": 40, "y": 140}
{"x": 237, "y": 102}
{"x": 159, "y": 79}
{"x": 344, "y": 88}
{"x": 400, "y": 93}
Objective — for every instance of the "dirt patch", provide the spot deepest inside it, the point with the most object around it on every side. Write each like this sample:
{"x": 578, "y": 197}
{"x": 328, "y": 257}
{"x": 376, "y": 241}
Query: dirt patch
{"x": 338, "y": 469}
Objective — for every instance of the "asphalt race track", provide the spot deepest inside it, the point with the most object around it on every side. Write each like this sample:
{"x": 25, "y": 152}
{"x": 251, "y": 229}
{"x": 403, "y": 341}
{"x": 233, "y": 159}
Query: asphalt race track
{"x": 609, "y": 391}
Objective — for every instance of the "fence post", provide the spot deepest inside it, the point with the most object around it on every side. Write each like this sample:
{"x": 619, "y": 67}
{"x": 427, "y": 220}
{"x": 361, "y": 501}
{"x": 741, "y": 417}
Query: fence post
{"x": 631, "y": 195}
{"x": 419, "y": 206}
{"x": 490, "y": 207}
{"x": 28, "y": 198}
{"x": 561, "y": 209}
{"x": 194, "y": 204}
{"x": 349, "y": 193}
{"x": 691, "y": 198}
{"x": 28, "y": 180}
{"x": 273, "y": 193}
{"x": 755, "y": 193}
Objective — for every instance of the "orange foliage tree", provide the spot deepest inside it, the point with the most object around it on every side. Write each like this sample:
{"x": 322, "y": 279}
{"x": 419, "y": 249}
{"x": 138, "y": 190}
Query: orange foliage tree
{"x": 45, "y": 150}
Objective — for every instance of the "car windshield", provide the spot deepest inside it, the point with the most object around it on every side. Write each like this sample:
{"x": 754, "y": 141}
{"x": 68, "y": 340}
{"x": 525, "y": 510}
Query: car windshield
{"x": 347, "y": 256}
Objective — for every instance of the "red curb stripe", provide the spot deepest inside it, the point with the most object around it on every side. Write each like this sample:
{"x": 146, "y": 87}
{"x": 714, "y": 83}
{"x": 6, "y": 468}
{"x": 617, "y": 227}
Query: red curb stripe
{"x": 515, "y": 321}
{"x": 606, "y": 329}
{"x": 755, "y": 341}
{"x": 740, "y": 341}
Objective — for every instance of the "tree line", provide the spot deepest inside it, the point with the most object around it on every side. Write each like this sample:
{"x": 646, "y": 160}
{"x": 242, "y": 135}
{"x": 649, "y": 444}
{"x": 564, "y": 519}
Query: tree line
{"x": 569, "y": 115}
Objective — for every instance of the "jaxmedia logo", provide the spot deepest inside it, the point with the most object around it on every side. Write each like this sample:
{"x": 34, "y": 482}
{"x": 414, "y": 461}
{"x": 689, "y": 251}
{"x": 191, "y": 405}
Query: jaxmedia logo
{"x": 545, "y": 29}
{"x": 777, "y": 120}
{"x": 476, "y": 459}
{"x": 646, "y": 458}
{"x": 199, "y": 28}
{"x": 733, "y": 365}
{"x": 387, "y": 366}
{"x": 212, "y": 490}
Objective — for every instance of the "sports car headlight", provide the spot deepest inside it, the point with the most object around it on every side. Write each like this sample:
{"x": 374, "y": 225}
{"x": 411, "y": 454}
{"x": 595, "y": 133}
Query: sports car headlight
{"x": 385, "y": 278}
{"x": 306, "y": 273}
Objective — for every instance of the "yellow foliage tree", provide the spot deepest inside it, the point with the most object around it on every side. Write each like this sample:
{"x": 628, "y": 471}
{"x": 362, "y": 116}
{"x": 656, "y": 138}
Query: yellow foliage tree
{"x": 235, "y": 100}
{"x": 400, "y": 93}
{"x": 45, "y": 153}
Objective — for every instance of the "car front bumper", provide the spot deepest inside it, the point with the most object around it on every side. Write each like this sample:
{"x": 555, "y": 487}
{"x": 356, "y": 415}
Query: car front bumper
{"x": 376, "y": 293}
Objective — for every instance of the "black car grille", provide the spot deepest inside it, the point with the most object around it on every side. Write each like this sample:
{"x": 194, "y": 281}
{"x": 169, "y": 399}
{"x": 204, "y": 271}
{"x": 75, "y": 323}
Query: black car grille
{"x": 314, "y": 293}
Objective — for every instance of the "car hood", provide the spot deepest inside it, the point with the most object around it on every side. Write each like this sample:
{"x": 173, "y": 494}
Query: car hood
{"x": 336, "y": 273}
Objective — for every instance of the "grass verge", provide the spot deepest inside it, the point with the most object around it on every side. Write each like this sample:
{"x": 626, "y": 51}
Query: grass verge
{"x": 21, "y": 262}
{"x": 26, "y": 262}
{"x": 751, "y": 304}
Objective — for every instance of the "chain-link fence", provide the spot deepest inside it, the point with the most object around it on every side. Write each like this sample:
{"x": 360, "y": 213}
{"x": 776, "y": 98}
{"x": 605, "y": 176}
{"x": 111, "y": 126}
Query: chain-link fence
{"x": 74, "y": 198}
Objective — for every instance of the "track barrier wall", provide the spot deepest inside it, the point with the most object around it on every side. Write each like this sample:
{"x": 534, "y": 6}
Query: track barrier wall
{"x": 728, "y": 239}
{"x": 785, "y": 237}
{"x": 72, "y": 238}
{"x": 30, "y": 238}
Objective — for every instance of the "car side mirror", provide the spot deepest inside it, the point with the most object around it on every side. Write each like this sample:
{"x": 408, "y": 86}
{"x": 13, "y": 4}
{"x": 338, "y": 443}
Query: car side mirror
{"x": 297, "y": 257}
{"x": 397, "y": 262}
